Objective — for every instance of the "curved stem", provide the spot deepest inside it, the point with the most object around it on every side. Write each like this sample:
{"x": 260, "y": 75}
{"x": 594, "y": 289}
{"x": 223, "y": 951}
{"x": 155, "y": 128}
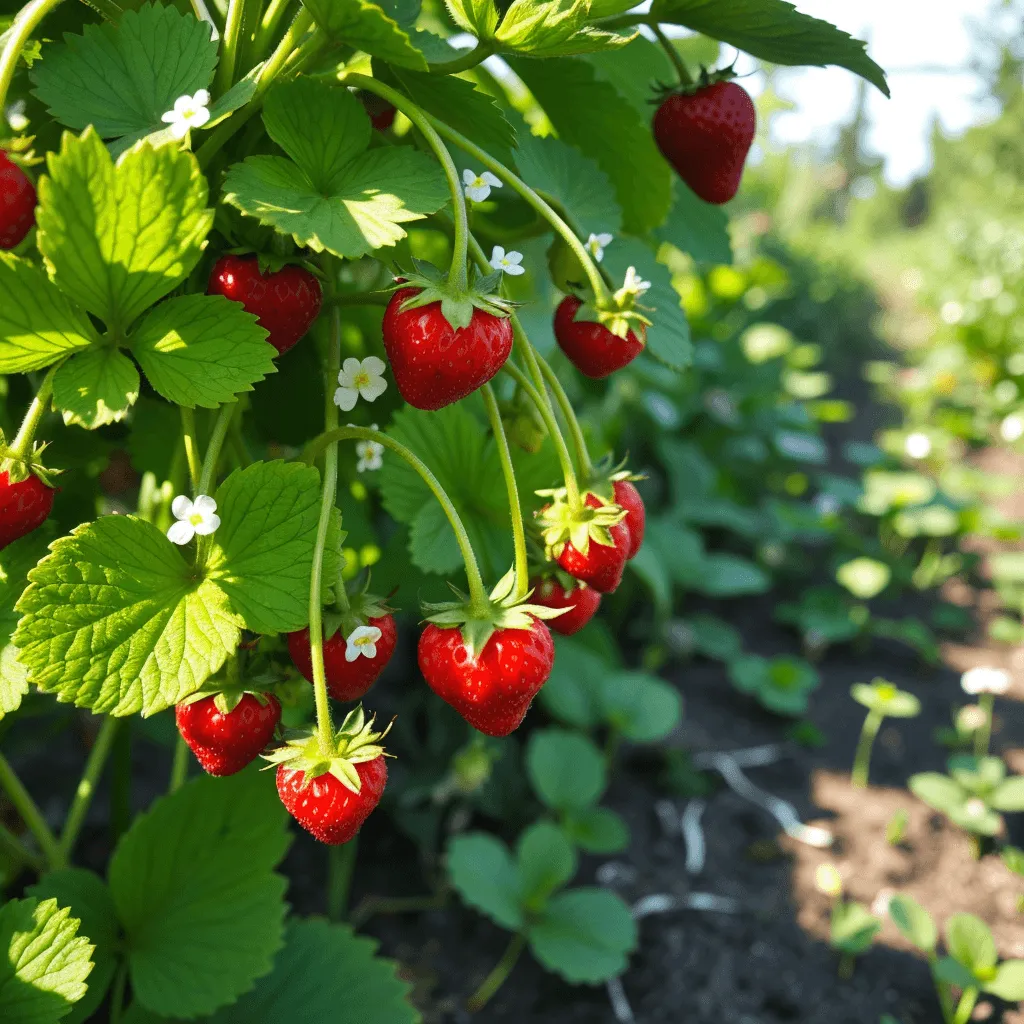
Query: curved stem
{"x": 497, "y": 977}
{"x": 87, "y": 786}
{"x": 426, "y": 124}
{"x": 270, "y": 22}
{"x": 220, "y": 431}
{"x": 179, "y": 767}
{"x": 477, "y": 593}
{"x": 582, "y": 453}
{"x": 862, "y": 759}
{"x": 229, "y": 48}
{"x": 106, "y": 9}
{"x": 685, "y": 78}
{"x": 25, "y": 23}
{"x": 515, "y": 509}
{"x": 464, "y": 62}
{"x": 341, "y": 862}
{"x": 965, "y": 1007}
{"x": 17, "y": 851}
{"x": 572, "y": 486}
{"x": 30, "y": 814}
{"x": 188, "y": 433}
{"x": 21, "y": 446}
{"x": 341, "y": 601}
{"x": 117, "y": 993}
{"x": 324, "y": 723}
{"x": 535, "y": 201}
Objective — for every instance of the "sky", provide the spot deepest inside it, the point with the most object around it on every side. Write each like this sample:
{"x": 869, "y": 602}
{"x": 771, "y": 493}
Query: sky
{"x": 906, "y": 37}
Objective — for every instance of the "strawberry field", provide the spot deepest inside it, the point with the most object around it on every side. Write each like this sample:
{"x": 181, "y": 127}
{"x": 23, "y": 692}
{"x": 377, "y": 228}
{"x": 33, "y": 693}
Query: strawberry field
{"x": 489, "y": 534}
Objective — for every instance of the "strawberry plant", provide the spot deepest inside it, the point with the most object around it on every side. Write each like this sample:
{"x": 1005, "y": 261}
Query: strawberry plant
{"x": 222, "y": 229}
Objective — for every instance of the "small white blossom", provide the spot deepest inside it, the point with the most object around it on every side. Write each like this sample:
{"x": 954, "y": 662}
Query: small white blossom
{"x": 1012, "y": 428}
{"x": 188, "y": 112}
{"x": 194, "y": 517}
{"x": 975, "y": 807}
{"x": 918, "y": 445}
{"x": 16, "y": 116}
{"x": 360, "y": 379}
{"x": 362, "y": 640}
{"x": 827, "y": 505}
{"x": 634, "y": 283}
{"x": 509, "y": 262}
{"x": 371, "y": 453}
{"x": 596, "y": 244}
{"x": 971, "y": 718}
{"x": 984, "y": 679}
{"x": 882, "y": 901}
{"x": 478, "y": 186}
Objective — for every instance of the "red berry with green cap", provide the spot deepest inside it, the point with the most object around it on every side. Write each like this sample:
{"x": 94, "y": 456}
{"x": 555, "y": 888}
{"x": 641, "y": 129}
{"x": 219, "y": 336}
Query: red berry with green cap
{"x": 228, "y": 731}
{"x": 590, "y": 346}
{"x": 626, "y": 496}
{"x": 24, "y": 506}
{"x": 590, "y": 542}
{"x": 580, "y": 601}
{"x": 17, "y": 203}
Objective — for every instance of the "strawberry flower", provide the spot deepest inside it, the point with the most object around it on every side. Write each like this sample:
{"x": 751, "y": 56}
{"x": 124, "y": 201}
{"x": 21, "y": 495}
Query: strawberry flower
{"x": 596, "y": 244}
{"x": 478, "y": 186}
{"x": 983, "y": 679}
{"x": 371, "y": 453}
{"x": 362, "y": 641}
{"x": 189, "y": 112}
{"x": 918, "y": 445}
{"x": 508, "y": 262}
{"x": 633, "y": 287}
{"x": 197, "y": 517}
{"x": 360, "y": 379}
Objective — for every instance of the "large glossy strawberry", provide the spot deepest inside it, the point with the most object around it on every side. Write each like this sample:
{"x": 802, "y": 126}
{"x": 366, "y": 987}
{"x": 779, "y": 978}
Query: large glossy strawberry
{"x": 705, "y": 135}
{"x": 593, "y": 349}
{"x": 628, "y": 497}
{"x": 286, "y": 301}
{"x": 580, "y": 601}
{"x": 17, "y": 203}
{"x": 590, "y": 542}
{"x": 24, "y": 506}
{"x": 353, "y": 660}
{"x": 228, "y": 731}
{"x": 331, "y": 794}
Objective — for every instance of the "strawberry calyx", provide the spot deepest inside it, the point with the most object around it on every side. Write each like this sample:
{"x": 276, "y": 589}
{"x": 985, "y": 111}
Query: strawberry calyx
{"x": 362, "y": 606}
{"x": 703, "y": 80}
{"x": 562, "y": 523}
{"x": 503, "y": 610}
{"x": 457, "y": 300}
{"x": 271, "y": 263}
{"x": 622, "y": 311}
{"x": 227, "y": 698}
{"x": 355, "y": 742}
{"x": 605, "y": 475}
{"x": 19, "y": 467}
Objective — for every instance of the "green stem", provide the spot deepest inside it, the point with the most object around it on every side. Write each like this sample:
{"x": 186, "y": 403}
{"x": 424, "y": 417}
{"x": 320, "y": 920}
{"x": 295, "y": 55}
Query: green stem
{"x": 21, "y": 446}
{"x": 87, "y": 786}
{"x": 846, "y": 962}
{"x": 117, "y": 993}
{"x": 341, "y": 601}
{"x": 572, "y": 486}
{"x": 569, "y": 414}
{"x": 983, "y": 737}
{"x": 121, "y": 782}
{"x": 106, "y": 9}
{"x": 966, "y": 1006}
{"x": 941, "y": 989}
{"x": 30, "y": 814}
{"x": 229, "y": 47}
{"x": 188, "y": 433}
{"x": 535, "y": 201}
{"x": 202, "y": 12}
{"x": 467, "y": 60}
{"x": 179, "y": 767}
{"x": 457, "y": 275}
{"x": 217, "y": 435}
{"x": 25, "y": 23}
{"x": 497, "y": 977}
{"x": 341, "y": 862}
{"x": 685, "y": 78}
{"x": 329, "y": 497}
{"x": 515, "y": 508}
{"x": 862, "y": 759}
{"x": 270, "y": 23}
{"x": 17, "y": 850}
{"x": 371, "y": 905}
{"x": 612, "y": 743}
{"x": 478, "y": 595}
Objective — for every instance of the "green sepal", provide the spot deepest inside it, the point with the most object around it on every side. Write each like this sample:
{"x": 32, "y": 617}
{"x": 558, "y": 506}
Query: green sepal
{"x": 354, "y": 743}
{"x": 560, "y": 523}
{"x": 272, "y": 262}
{"x": 362, "y": 606}
{"x": 457, "y": 303}
{"x": 702, "y": 81}
{"x": 605, "y": 475}
{"x": 503, "y": 611}
{"x": 19, "y": 469}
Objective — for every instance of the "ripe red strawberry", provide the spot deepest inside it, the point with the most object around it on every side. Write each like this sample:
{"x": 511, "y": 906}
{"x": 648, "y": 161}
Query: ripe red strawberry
{"x": 603, "y": 564}
{"x": 346, "y": 680}
{"x": 628, "y": 497}
{"x": 381, "y": 113}
{"x": 24, "y": 506}
{"x": 593, "y": 349}
{"x": 435, "y": 363}
{"x": 224, "y": 743}
{"x": 17, "y": 203}
{"x": 325, "y": 807}
{"x": 706, "y": 135}
{"x": 582, "y": 603}
{"x": 493, "y": 690}
{"x": 287, "y": 301}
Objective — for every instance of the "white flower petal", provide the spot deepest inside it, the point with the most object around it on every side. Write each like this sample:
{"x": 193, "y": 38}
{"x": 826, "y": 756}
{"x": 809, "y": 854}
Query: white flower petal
{"x": 604, "y": 238}
{"x": 515, "y": 270}
{"x": 514, "y": 257}
{"x": 491, "y": 179}
{"x": 180, "y": 532}
{"x": 169, "y": 117}
{"x": 374, "y": 365}
{"x": 204, "y": 504}
{"x": 208, "y": 525}
{"x": 478, "y": 193}
{"x": 349, "y": 369}
{"x": 497, "y": 255}
{"x": 345, "y": 398}
{"x": 468, "y": 176}
{"x": 201, "y": 98}
{"x": 372, "y": 391}
{"x": 182, "y": 105}
{"x": 181, "y": 507}
{"x": 199, "y": 117}
{"x": 179, "y": 129}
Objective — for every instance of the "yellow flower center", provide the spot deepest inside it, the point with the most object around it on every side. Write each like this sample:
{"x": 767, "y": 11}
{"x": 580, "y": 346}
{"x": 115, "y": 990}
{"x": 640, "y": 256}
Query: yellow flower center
{"x": 361, "y": 379}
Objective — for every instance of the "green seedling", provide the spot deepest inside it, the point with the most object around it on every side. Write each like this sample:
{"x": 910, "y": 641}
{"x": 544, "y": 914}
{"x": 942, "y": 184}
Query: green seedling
{"x": 882, "y": 699}
{"x": 782, "y": 684}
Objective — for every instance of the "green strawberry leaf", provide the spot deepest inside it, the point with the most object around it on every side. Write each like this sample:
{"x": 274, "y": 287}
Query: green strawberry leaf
{"x": 121, "y": 78}
{"x": 96, "y": 387}
{"x": 89, "y": 899}
{"x": 546, "y": 861}
{"x": 775, "y": 31}
{"x": 1008, "y": 983}
{"x": 642, "y": 707}
{"x": 116, "y": 620}
{"x": 592, "y": 115}
{"x": 553, "y": 28}
{"x": 584, "y": 935}
{"x": 337, "y": 195}
{"x": 574, "y": 693}
{"x": 487, "y": 878}
{"x": 597, "y": 830}
{"x": 699, "y": 229}
{"x": 970, "y": 943}
{"x": 365, "y": 26}
{"x": 195, "y": 891}
{"x": 117, "y": 238}
{"x": 202, "y": 350}
{"x": 853, "y": 927}
{"x": 45, "y": 963}
{"x": 914, "y": 922}
{"x": 566, "y": 770}
{"x": 38, "y": 325}
{"x": 480, "y": 17}
{"x": 263, "y": 550}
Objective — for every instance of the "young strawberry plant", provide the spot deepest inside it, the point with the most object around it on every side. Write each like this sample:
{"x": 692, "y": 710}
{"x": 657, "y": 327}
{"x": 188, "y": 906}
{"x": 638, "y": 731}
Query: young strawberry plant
{"x": 223, "y": 228}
